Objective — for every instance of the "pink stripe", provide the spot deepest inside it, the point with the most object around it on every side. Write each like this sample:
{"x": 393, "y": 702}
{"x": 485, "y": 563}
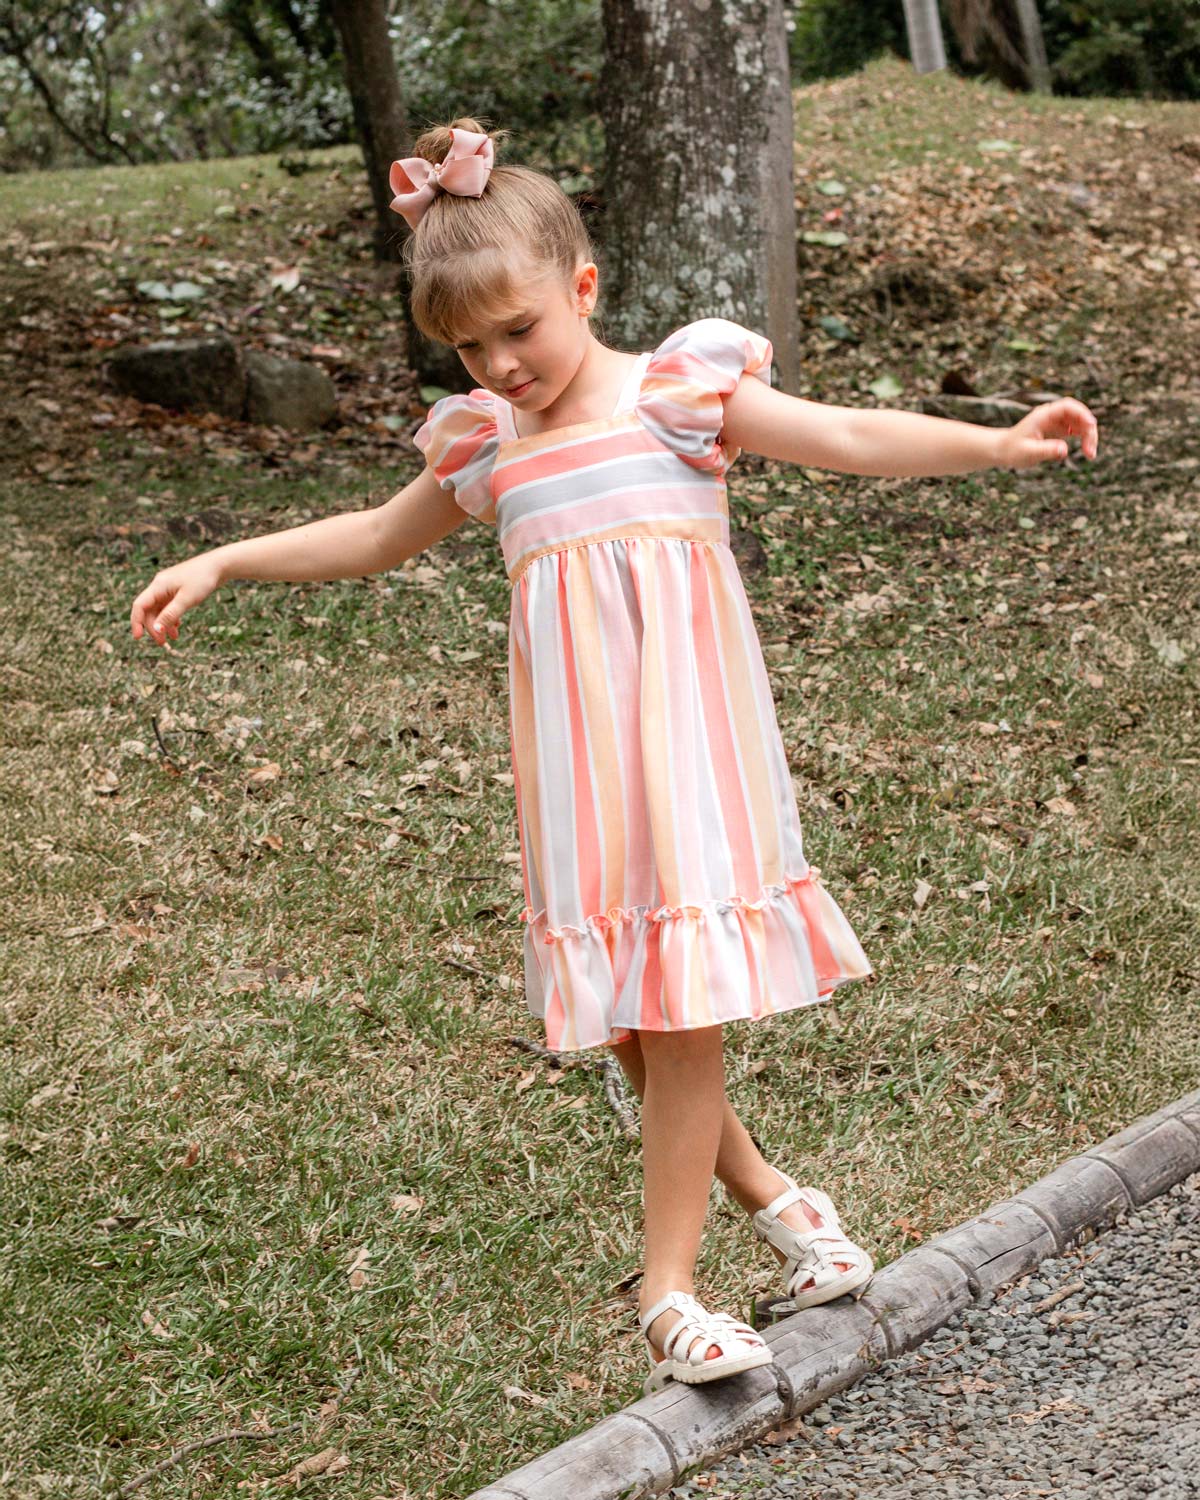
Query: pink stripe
{"x": 586, "y": 839}
{"x": 717, "y": 713}
{"x": 686, "y": 763}
{"x": 824, "y": 960}
{"x": 584, "y": 518}
{"x": 547, "y": 461}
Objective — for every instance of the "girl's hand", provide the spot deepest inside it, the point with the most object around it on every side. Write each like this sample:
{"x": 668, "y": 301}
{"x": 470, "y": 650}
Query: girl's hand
{"x": 160, "y": 606}
{"x": 1040, "y": 435}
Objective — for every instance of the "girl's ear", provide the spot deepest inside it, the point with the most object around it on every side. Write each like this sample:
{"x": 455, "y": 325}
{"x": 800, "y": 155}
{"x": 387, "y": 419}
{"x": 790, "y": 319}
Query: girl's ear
{"x": 586, "y": 288}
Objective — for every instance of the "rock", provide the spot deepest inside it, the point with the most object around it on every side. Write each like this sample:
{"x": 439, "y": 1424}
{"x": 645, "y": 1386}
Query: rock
{"x": 183, "y": 374}
{"x": 213, "y": 374}
{"x": 287, "y": 392}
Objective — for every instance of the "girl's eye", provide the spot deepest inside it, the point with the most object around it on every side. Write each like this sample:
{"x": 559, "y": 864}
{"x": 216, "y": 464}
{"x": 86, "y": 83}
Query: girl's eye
{"x": 517, "y": 332}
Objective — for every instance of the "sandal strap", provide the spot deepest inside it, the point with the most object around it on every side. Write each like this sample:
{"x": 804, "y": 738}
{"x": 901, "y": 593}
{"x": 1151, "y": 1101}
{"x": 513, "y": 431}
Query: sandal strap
{"x": 681, "y": 1300}
{"x": 767, "y": 1225}
{"x": 696, "y": 1322}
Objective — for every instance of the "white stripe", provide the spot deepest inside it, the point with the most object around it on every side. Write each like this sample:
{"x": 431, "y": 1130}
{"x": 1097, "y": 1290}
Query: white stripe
{"x": 666, "y": 488}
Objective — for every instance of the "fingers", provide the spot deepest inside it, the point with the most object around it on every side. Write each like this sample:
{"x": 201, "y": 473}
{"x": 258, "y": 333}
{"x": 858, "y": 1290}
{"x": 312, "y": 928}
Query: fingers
{"x": 1068, "y": 417}
{"x": 162, "y": 624}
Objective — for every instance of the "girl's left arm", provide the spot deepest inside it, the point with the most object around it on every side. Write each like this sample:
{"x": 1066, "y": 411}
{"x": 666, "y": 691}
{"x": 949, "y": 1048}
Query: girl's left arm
{"x": 899, "y": 444}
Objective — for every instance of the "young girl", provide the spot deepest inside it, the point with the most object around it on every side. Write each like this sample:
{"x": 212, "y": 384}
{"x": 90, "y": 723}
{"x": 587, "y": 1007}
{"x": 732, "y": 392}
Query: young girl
{"x": 666, "y": 886}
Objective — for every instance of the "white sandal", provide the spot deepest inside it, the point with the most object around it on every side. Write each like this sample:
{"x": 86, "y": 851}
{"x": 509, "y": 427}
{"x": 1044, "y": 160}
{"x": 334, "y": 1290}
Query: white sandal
{"x": 813, "y": 1253}
{"x": 747, "y": 1348}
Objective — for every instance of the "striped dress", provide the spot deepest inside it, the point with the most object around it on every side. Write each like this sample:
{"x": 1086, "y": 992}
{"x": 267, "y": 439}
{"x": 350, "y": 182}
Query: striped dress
{"x": 665, "y": 880}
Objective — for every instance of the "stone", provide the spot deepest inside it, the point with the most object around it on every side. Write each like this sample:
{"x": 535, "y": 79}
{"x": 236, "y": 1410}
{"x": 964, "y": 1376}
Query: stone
{"x": 183, "y": 374}
{"x": 287, "y": 393}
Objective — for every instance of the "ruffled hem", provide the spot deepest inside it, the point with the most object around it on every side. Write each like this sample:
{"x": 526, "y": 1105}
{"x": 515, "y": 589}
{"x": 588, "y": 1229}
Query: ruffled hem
{"x": 615, "y": 915}
{"x": 679, "y": 967}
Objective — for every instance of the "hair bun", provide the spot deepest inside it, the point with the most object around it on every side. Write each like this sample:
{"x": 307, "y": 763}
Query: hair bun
{"x": 434, "y": 144}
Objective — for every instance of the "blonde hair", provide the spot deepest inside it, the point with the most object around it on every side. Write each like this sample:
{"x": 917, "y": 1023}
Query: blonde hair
{"x": 470, "y": 259}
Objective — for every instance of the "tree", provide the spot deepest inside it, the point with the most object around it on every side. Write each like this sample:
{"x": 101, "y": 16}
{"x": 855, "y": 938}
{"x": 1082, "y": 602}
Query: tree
{"x": 374, "y": 88}
{"x": 700, "y": 215}
{"x": 383, "y": 132}
{"x": 1033, "y": 46}
{"x": 1005, "y": 37}
{"x": 925, "y": 44}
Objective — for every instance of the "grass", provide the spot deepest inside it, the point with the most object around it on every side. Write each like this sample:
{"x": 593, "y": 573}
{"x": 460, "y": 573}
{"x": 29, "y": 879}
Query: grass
{"x": 268, "y": 1128}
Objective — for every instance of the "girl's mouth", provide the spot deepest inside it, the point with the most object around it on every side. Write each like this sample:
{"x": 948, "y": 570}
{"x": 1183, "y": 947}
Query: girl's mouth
{"x": 518, "y": 390}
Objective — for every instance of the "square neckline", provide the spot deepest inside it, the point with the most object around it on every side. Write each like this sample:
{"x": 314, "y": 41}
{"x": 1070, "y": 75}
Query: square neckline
{"x": 627, "y": 396}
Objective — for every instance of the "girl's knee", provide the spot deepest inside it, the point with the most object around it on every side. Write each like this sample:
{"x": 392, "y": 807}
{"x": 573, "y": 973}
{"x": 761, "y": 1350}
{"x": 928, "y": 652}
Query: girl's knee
{"x": 695, "y": 1041}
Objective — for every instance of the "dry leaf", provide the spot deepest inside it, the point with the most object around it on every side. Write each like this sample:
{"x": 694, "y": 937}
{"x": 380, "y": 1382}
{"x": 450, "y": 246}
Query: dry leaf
{"x": 328, "y": 1461}
{"x": 262, "y": 774}
{"x": 407, "y": 1203}
{"x": 157, "y": 1328}
{"x": 784, "y": 1432}
{"x": 515, "y": 1393}
{"x": 286, "y": 278}
{"x": 358, "y": 1275}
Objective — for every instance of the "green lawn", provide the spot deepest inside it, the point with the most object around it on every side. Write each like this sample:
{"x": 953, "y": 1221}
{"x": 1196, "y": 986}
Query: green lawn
{"x": 267, "y": 1132}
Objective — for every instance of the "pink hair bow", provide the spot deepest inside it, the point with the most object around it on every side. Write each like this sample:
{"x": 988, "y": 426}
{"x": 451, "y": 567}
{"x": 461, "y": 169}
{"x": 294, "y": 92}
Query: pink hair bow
{"x": 465, "y": 171}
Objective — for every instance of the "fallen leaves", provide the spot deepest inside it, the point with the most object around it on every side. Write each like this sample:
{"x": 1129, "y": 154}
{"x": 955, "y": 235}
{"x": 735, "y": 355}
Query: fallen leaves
{"x": 530, "y": 1398}
{"x": 326, "y": 1463}
{"x": 155, "y": 1324}
{"x": 357, "y": 1270}
{"x": 265, "y": 774}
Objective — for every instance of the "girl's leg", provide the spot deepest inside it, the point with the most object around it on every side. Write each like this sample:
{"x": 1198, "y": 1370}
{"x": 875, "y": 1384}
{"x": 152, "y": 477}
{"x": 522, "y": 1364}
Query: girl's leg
{"x": 684, "y": 1085}
{"x": 747, "y": 1177}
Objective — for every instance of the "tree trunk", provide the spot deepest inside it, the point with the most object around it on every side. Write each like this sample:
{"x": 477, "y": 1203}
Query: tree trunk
{"x": 382, "y": 126}
{"x": 925, "y": 44}
{"x": 375, "y": 98}
{"x": 700, "y": 217}
{"x": 990, "y": 36}
{"x": 1033, "y": 46}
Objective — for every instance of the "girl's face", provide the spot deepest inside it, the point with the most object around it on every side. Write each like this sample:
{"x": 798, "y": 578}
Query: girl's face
{"x": 531, "y": 358}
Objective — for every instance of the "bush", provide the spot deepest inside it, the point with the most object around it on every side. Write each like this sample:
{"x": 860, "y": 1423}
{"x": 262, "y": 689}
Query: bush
{"x": 830, "y": 38}
{"x": 1147, "y": 48}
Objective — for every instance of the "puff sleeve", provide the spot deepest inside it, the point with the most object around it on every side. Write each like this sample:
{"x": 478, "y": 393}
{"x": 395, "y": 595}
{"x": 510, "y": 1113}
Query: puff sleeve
{"x": 459, "y": 439}
{"x": 686, "y": 380}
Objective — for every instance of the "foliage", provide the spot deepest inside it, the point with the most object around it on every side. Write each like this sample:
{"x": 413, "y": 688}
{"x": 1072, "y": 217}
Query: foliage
{"x": 1147, "y": 48}
{"x": 154, "y": 80}
{"x": 829, "y": 38}
{"x": 528, "y": 65}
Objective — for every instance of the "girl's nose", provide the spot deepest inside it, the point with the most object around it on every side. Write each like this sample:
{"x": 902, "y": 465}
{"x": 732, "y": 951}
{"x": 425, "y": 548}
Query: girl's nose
{"x": 501, "y": 370}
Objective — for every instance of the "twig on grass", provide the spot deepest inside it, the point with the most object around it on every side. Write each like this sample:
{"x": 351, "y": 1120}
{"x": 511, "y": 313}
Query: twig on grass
{"x": 166, "y": 754}
{"x": 234, "y": 1434}
{"x": 457, "y": 963}
{"x": 614, "y": 1088}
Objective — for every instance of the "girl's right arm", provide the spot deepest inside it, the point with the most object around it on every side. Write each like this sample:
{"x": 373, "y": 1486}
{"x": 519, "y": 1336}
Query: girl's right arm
{"x": 346, "y": 546}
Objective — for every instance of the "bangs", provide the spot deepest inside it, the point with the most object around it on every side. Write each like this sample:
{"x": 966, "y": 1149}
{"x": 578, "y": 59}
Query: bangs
{"x": 463, "y": 294}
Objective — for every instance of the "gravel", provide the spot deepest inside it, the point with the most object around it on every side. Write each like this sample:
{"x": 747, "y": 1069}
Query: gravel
{"x": 1098, "y": 1394}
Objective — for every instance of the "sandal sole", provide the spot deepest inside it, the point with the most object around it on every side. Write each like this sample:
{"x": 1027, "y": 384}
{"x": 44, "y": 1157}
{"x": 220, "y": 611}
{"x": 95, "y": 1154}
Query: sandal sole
{"x": 700, "y": 1375}
{"x": 817, "y": 1296}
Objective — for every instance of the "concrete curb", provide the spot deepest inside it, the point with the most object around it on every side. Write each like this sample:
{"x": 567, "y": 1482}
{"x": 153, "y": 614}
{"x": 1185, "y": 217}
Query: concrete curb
{"x": 651, "y": 1445}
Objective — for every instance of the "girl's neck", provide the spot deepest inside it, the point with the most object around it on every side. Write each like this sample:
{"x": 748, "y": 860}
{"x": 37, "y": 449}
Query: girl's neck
{"x": 590, "y": 394}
